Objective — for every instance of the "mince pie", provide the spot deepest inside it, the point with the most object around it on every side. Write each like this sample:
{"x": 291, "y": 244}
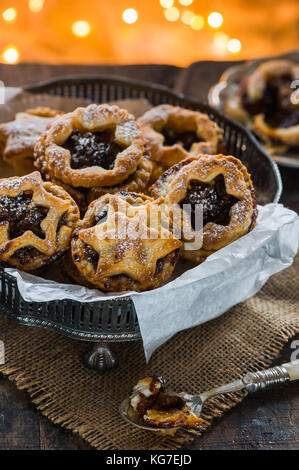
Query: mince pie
{"x": 36, "y": 221}
{"x": 266, "y": 98}
{"x": 172, "y": 133}
{"x": 99, "y": 145}
{"x": 216, "y": 187}
{"x": 120, "y": 244}
{"x": 18, "y": 137}
{"x": 156, "y": 407}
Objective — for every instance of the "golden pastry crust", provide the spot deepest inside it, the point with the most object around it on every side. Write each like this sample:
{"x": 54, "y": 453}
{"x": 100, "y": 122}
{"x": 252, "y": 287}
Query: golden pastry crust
{"x": 36, "y": 221}
{"x": 266, "y": 99}
{"x": 200, "y": 133}
{"x": 18, "y": 137}
{"x": 276, "y": 138}
{"x": 54, "y": 159}
{"x": 44, "y": 111}
{"x": 257, "y": 81}
{"x": 236, "y": 197}
{"x": 109, "y": 254}
{"x": 80, "y": 195}
{"x": 137, "y": 182}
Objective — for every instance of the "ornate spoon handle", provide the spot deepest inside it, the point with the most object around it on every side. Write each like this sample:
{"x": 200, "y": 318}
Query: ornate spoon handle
{"x": 255, "y": 381}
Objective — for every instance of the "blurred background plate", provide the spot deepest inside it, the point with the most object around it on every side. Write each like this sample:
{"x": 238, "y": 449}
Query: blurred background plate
{"x": 226, "y": 90}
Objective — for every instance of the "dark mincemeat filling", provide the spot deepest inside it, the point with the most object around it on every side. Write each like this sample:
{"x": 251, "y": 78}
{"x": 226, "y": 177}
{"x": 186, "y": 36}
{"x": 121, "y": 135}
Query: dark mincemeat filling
{"x": 62, "y": 221}
{"x": 160, "y": 402}
{"x": 171, "y": 137}
{"x": 22, "y": 214}
{"x": 172, "y": 257}
{"x": 216, "y": 203}
{"x": 26, "y": 254}
{"x": 93, "y": 149}
{"x": 101, "y": 217}
{"x": 275, "y": 103}
{"x": 91, "y": 255}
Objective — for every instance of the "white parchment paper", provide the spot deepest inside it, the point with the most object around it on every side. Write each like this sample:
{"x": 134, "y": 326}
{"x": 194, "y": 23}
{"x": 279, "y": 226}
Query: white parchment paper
{"x": 226, "y": 278}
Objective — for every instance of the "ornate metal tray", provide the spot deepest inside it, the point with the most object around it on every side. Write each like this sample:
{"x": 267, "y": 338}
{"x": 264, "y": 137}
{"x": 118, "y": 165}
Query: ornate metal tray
{"x": 116, "y": 320}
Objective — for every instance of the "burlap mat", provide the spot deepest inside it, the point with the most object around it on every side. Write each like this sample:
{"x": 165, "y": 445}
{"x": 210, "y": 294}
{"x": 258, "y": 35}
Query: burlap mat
{"x": 49, "y": 367}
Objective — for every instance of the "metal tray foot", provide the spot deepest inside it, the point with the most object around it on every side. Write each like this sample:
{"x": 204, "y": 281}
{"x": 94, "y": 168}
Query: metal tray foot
{"x": 101, "y": 358}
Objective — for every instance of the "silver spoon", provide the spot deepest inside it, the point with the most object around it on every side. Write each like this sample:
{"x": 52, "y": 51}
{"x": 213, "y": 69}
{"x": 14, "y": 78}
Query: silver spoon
{"x": 252, "y": 382}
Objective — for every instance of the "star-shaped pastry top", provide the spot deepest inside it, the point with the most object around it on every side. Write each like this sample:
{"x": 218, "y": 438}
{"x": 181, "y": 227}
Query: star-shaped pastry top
{"x": 18, "y": 137}
{"x": 131, "y": 240}
{"x": 11, "y": 187}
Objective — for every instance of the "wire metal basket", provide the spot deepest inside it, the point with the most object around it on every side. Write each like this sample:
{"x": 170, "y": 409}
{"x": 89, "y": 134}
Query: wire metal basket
{"x": 116, "y": 320}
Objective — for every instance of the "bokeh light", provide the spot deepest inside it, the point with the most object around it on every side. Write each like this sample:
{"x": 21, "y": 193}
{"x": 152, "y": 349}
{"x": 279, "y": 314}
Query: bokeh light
{"x": 36, "y": 5}
{"x": 220, "y": 41}
{"x": 234, "y": 46}
{"x": 130, "y": 16}
{"x": 81, "y": 28}
{"x": 215, "y": 19}
{"x": 186, "y": 3}
{"x": 166, "y": 3}
{"x": 9, "y": 15}
{"x": 197, "y": 22}
{"x": 157, "y": 31}
{"x": 187, "y": 16}
{"x": 10, "y": 54}
{"x": 172, "y": 14}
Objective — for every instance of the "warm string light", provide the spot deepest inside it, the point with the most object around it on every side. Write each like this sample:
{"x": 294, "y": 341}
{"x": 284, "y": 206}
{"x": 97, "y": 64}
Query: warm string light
{"x": 197, "y": 22}
{"x": 215, "y": 19}
{"x": 166, "y": 3}
{"x": 9, "y": 15}
{"x": 36, "y": 5}
{"x": 223, "y": 44}
{"x": 220, "y": 41}
{"x": 130, "y": 15}
{"x": 10, "y": 55}
{"x": 234, "y": 46}
{"x": 172, "y": 14}
{"x": 81, "y": 28}
{"x": 186, "y": 3}
{"x": 187, "y": 16}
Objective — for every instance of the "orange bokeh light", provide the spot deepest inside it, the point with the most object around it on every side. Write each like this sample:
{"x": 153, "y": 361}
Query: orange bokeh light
{"x": 215, "y": 19}
{"x": 35, "y": 5}
{"x": 152, "y": 31}
{"x": 234, "y": 46}
{"x": 10, "y": 55}
{"x": 130, "y": 16}
{"x": 9, "y": 15}
{"x": 172, "y": 14}
{"x": 81, "y": 28}
{"x": 197, "y": 22}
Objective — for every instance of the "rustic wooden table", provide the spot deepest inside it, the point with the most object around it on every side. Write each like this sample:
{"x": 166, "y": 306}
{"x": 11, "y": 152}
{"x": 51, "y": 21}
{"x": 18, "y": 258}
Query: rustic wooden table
{"x": 266, "y": 420}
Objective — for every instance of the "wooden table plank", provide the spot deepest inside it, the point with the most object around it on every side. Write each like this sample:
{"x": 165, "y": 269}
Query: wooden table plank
{"x": 53, "y": 437}
{"x": 19, "y": 425}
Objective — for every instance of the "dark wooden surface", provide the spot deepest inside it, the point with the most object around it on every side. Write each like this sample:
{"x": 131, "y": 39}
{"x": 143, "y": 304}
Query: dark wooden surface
{"x": 266, "y": 420}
